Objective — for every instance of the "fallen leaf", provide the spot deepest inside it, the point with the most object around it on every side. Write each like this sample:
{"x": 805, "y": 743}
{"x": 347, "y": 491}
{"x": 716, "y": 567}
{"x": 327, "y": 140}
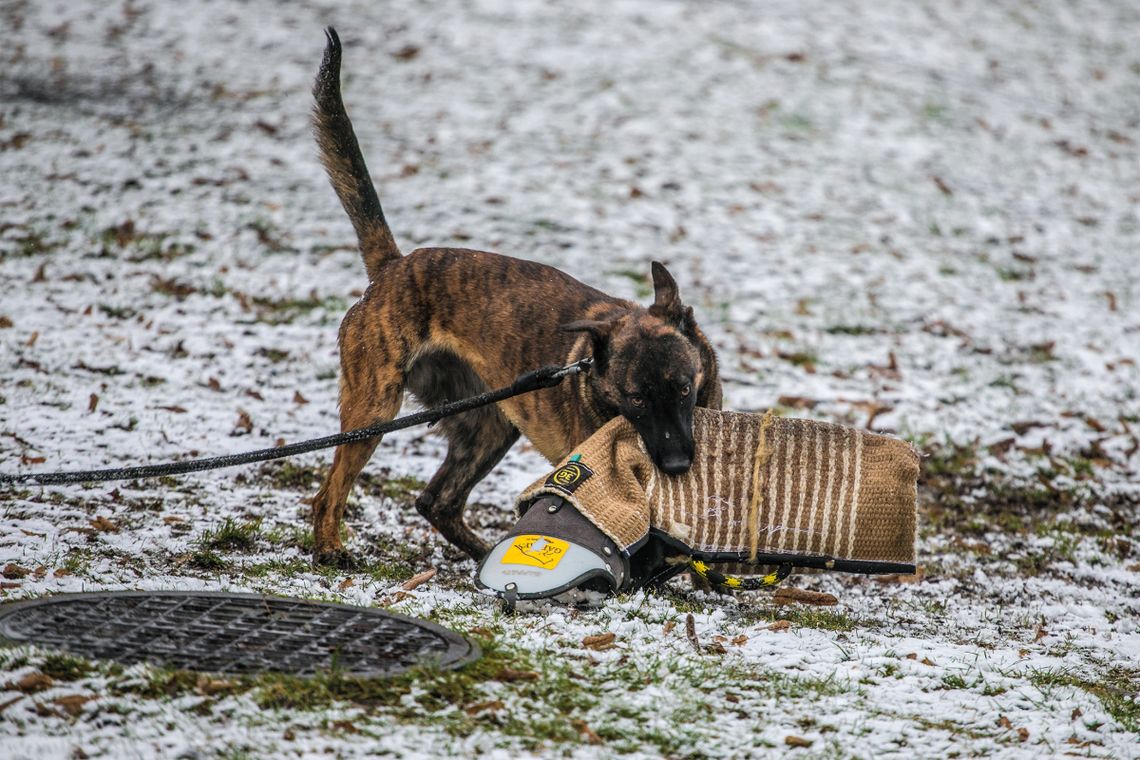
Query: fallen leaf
{"x": 927, "y": 661}
{"x": 668, "y": 627}
{"x": 5, "y": 322}
{"x": 691, "y": 631}
{"x": 244, "y": 423}
{"x": 589, "y": 734}
{"x": 1022, "y": 733}
{"x": 599, "y": 642}
{"x": 92, "y": 402}
{"x": 740, "y": 640}
{"x": 508, "y": 675}
{"x": 803, "y": 596}
{"x": 210, "y": 686}
{"x": 298, "y": 398}
{"x": 780, "y": 625}
{"x": 214, "y": 385}
{"x": 60, "y": 572}
{"x": 25, "y": 459}
{"x": 407, "y": 52}
{"x": 419, "y": 579}
{"x": 345, "y": 725}
{"x": 1077, "y": 712}
{"x": 346, "y": 584}
{"x": 14, "y": 572}
{"x": 72, "y": 704}
{"x": 31, "y": 683}
{"x": 941, "y": 183}
{"x": 1003, "y": 722}
{"x": 797, "y": 741}
{"x": 732, "y": 698}
{"x": 912, "y": 656}
{"x": 902, "y": 577}
{"x": 174, "y": 520}
{"x": 104, "y": 525}
{"x": 478, "y": 707}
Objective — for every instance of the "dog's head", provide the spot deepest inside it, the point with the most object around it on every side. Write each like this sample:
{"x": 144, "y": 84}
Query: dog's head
{"x": 648, "y": 368}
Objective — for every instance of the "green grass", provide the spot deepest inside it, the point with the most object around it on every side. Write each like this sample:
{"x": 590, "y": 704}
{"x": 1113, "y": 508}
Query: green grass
{"x": 231, "y": 535}
{"x": 1116, "y": 687}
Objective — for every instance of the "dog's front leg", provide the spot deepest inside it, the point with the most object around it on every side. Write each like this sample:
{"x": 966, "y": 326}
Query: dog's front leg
{"x": 476, "y": 443}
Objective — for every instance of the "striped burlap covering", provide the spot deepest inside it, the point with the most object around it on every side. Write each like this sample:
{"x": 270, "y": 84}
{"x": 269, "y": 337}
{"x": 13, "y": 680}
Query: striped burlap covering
{"x": 758, "y": 484}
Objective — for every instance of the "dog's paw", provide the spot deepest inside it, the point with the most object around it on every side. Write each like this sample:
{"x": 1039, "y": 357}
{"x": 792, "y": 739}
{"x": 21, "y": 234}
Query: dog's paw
{"x": 341, "y": 559}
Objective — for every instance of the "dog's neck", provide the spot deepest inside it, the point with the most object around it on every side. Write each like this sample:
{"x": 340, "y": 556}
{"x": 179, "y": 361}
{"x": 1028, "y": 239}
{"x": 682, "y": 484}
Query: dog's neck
{"x": 593, "y": 412}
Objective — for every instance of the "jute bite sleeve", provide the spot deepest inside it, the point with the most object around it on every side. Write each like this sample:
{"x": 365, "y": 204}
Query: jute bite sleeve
{"x": 758, "y": 484}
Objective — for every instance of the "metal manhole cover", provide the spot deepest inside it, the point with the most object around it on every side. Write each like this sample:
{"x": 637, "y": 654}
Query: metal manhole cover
{"x": 232, "y": 633}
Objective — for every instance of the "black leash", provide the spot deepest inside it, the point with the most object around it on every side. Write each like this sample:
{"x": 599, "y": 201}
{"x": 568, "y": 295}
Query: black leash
{"x": 544, "y": 377}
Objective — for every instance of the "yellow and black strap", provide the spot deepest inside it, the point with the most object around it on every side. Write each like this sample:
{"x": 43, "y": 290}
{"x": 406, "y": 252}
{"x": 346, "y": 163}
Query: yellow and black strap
{"x": 735, "y": 583}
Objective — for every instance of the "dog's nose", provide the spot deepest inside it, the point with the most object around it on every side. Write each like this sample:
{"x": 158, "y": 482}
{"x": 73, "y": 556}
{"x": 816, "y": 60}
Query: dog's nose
{"x": 675, "y": 464}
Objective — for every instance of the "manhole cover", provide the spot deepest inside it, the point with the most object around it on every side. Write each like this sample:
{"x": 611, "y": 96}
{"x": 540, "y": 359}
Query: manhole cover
{"x": 232, "y": 633}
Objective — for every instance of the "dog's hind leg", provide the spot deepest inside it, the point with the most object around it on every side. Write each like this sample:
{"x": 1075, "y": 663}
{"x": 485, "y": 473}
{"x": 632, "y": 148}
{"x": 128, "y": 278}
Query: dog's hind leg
{"x": 477, "y": 440}
{"x": 367, "y": 395}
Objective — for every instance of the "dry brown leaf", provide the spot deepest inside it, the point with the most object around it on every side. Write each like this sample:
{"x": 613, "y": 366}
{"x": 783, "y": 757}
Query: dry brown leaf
{"x": 346, "y": 584}
{"x": 599, "y": 642}
{"x": 478, "y": 707}
{"x": 104, "y": 525}
{"x": 31, "y": 683}
{"x": 587, "y": 732}
{"x": 797, "y": 741}
{"x": 244, "y": 423}
{"x": 92, "y": 403}
{"x": 210, "y": 686}
{"x": 72, "y": 704}
{"x": 780, "y": 625}
{"x": 1003, "y": 722}
{"x": 803, "y": 596}
{"x": 691, "y": 631}
{"x": 508, "y": 675}
{"x": 298, "y": 398}
{"x": 915, "y": 577}
{"x": 419, "y": 579}
{"x": 668, "y": 627}
{"x": 1022, "y": 733}
{"x": 14, "y": 572}
{"x": 740, "y": 640}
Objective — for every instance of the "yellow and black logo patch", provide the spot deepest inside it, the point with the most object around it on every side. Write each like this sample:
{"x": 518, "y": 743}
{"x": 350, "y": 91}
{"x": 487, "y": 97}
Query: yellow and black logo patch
{"x": 569, "y": 476}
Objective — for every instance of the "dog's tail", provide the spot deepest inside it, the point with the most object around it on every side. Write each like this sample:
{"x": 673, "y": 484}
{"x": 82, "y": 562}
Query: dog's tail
{"x": 345, "y": 165}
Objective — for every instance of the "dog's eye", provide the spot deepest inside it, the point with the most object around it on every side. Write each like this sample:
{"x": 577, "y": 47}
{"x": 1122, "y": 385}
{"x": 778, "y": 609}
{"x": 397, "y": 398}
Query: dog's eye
{"x": 686, "y": 390}
{"x": 637, "y": 401}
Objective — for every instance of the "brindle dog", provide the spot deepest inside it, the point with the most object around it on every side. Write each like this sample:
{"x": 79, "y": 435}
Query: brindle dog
{"x": 447, "y": 323}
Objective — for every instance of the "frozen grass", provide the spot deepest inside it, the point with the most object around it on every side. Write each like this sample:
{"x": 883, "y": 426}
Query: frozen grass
{"x": 914, "y": 216}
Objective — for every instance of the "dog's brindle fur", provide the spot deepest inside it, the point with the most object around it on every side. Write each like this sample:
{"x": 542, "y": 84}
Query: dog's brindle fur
{"x": 449, "y": 323}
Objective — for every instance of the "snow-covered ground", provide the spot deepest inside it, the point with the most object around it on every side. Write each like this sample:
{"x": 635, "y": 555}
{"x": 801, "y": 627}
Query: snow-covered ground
{"x": 921, "y": 216}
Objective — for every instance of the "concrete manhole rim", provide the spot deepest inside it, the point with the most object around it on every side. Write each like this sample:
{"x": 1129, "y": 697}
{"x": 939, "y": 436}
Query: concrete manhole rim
{"x": 460, "y": 650}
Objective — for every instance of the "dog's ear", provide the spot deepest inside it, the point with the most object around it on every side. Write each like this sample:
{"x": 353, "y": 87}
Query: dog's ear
{"x": 600, "y": 332}
{"x": 667, "y": 304}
